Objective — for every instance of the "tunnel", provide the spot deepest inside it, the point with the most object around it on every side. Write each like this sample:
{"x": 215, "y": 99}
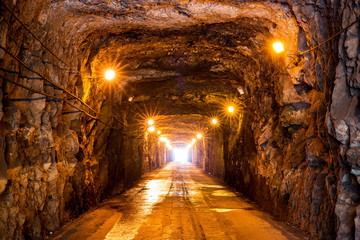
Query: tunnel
{"x": 178, "y": 119}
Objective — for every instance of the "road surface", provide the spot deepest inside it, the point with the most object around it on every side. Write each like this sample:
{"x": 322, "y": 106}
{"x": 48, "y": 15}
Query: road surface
{"x": 178, "y": 201}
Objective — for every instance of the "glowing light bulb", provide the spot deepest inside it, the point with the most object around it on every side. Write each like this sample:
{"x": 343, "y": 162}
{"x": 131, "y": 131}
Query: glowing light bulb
{"x": 151, "y": 122}
{"x": 231, "y": 109}
{"x": 151, "y": 129}
{"x": 198, "y": 135}
{"x": 109, "y": 75}
{"x": 158, "y": 132}
{"x": 278, "y": 47}
{"x": 193, "y": 140}
{"x": 214, "y": 121}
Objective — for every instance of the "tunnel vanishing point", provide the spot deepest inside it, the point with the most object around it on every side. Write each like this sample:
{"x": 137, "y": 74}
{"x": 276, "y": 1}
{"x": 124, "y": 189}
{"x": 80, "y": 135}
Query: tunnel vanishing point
{"x": 96, "y": 93}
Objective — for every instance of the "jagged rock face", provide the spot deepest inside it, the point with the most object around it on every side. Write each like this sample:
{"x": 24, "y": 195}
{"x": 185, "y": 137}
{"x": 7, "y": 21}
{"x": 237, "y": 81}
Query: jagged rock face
{"x": 291, "y": 145}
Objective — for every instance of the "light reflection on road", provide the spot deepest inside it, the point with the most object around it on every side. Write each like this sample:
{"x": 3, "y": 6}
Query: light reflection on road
{"x": 155, "y": 191}
{"x": 180, "y": 202}
{"x": 141, "y": 205}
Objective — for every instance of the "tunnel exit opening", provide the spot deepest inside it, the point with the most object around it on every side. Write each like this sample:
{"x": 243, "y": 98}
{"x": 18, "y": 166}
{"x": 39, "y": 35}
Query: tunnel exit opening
{"x": 181, "y": 154}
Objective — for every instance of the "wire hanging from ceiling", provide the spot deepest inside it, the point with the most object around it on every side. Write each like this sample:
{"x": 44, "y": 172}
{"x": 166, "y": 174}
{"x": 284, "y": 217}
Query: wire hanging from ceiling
{"x": 47, "y": 80}
{"x": 41, "y": 43}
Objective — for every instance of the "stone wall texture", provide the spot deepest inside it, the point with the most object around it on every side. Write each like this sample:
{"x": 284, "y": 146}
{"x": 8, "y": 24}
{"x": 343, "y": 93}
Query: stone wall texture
{"x": 294, "y": 149}
{"x": 54, "y": 163}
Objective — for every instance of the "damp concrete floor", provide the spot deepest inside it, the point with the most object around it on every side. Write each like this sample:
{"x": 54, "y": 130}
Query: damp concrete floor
{"x": 178, "y": 201}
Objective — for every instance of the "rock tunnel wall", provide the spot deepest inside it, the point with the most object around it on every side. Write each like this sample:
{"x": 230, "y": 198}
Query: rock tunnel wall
{"x": 294, "y": 148}
{"x": 54, "y": 162}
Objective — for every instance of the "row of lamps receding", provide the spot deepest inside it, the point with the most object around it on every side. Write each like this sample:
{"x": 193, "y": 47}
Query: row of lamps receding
{"x": 110, "y": 75}
{"x": 152, "y": 129}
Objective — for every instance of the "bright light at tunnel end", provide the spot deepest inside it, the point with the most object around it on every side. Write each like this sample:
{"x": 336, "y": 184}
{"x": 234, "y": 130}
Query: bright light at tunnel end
{"x": 181, "y": 154}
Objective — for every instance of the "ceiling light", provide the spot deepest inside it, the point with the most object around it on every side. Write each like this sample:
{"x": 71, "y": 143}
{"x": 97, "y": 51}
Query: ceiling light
{"x": 150, "y": 122}
{"x": 214, "y": 121}
{"x": 151, "y": 129}
{"x": 158, "y": 132}
{"x": 109, "y": 75}
{"x": 198, "y": 135}
{"x": 231, "y": 109}
{"x": 278, "y": 47}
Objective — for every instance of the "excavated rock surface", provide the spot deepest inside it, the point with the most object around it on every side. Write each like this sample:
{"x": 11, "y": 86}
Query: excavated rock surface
{"x": 292, "y": 145}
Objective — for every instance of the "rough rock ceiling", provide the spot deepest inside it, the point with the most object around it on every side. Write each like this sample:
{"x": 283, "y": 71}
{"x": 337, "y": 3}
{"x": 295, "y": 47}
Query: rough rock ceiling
{"x": 184, "y": 57}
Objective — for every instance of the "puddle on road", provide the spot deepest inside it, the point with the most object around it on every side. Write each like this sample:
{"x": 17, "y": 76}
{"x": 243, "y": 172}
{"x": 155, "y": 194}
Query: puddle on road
{"x": 223, "y": 193}
{"x": 211, "y": 186}
{"x": 222, "y": 210}
{"x": 141, "y": 205}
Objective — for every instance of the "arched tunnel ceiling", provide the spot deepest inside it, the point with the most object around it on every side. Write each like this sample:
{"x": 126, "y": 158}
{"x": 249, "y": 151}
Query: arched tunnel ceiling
{"x": 185, "y": 58}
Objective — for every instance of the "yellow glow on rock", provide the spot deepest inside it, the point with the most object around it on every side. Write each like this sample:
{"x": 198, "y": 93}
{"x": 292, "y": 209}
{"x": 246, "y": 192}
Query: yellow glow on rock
{"x": 109, "y": 75}
{"x": 278, "y": 47}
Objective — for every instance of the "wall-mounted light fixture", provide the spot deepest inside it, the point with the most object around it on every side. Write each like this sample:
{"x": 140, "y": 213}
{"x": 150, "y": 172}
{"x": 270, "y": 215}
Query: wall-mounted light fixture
{"x": 214, "y": 121}
{"x": 151, "y": 129}
{"x": 231, "y": 109}
{"x": 278, "y": 47}
{"x": 109, "y": 75}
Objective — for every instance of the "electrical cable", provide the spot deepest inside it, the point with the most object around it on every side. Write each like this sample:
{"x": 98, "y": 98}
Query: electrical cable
{"x": 51, "y": 52}
{"x": 32, "y": 34}
{"x": 49, "y": 95}
{"x": 47, "y": 80}
{"x": 62, "y": 99}
{"x": 59, "y": 87}
{"x": 332, "y": 37}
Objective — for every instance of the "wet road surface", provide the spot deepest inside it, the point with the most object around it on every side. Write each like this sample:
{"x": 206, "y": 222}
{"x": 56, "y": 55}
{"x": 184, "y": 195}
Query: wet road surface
{"x": 176, "y": 202}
